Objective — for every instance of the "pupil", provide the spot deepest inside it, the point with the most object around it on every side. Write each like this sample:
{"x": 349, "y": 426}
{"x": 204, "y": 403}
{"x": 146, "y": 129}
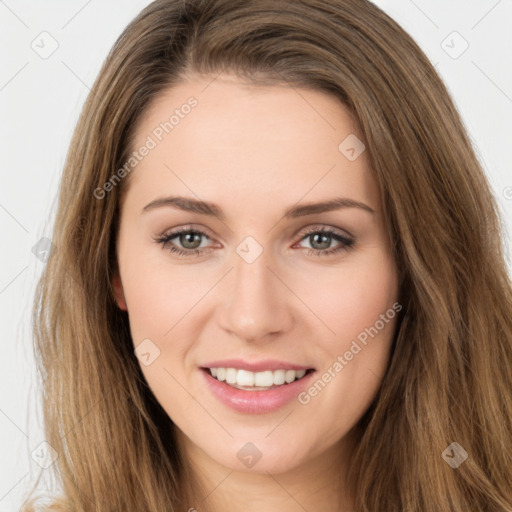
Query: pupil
{"x": 187, "y": 240}
{"x": 324, "y": 245}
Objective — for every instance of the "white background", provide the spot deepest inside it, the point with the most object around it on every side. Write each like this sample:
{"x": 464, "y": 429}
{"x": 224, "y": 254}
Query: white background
{"x": 40, "y": 100}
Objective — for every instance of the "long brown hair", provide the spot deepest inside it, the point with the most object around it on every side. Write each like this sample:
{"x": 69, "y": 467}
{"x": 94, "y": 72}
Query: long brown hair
{"x": 450, "y": 373}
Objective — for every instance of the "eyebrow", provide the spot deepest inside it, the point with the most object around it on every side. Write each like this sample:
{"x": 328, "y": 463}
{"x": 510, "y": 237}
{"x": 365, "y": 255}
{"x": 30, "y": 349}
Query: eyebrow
{"x": 206, "y": 208}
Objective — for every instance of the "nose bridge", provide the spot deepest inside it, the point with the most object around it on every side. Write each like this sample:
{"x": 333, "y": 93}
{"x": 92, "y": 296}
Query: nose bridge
{"x": 258, "y": 305}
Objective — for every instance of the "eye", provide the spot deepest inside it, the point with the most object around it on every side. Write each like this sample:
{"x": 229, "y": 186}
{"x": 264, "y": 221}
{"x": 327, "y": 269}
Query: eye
{"x": 186, "y": 242}
{"x": 320, "y": 240}
{"x": 189, "y": 239}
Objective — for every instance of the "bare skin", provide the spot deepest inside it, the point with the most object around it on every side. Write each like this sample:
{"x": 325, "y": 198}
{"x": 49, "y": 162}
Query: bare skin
{"x": 255, "y": 152}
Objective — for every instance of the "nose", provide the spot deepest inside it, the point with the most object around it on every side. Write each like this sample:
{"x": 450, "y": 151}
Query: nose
{"x": 258, "y": 303}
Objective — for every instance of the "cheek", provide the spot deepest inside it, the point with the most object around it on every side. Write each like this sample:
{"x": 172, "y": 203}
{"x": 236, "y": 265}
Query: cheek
{"x": 365, "y": 297}
{"x": 158, "y": 294}
{"x": 351, "y": 297}
{"x": 161, "y": 299}
{"x": 362, "y": 308}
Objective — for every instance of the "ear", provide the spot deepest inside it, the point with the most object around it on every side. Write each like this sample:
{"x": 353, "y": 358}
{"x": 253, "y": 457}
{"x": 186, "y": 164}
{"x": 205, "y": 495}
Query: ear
{"x": 118, "y": 291}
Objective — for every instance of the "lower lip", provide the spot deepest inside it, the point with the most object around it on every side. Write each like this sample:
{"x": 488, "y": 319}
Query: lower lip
{"x": 256, "y": 402}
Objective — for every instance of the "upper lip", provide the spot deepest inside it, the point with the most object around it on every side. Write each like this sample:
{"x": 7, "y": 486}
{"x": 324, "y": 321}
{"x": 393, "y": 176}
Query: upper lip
{"x": 255, "y": 366}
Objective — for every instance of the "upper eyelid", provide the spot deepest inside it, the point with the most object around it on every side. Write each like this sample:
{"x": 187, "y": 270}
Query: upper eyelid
{"x": 184, "y": 229}
{"x": 315, "y": 228}
{"x": 325, "y": 228}
{"x": 305, "y": 231}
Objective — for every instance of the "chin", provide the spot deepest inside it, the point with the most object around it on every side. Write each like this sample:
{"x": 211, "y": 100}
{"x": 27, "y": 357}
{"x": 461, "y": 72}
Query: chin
{"x": 259, "y": 457}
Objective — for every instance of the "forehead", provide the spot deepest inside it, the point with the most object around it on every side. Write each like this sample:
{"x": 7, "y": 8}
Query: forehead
{"x": 277, "y": 142}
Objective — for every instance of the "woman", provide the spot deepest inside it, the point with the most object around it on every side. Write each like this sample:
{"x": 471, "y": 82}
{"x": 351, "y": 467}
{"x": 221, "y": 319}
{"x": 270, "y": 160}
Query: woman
{"x": 196, "y": 354}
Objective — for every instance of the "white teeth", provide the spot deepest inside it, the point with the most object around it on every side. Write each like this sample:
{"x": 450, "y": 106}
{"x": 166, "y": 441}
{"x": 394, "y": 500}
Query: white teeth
{"x": 265, "y": 379}
{"x": 289, "y": 376}
{"x": 279, "y": 377}
{"x": 245, "y": 378}
{"x": 231, "y": 375}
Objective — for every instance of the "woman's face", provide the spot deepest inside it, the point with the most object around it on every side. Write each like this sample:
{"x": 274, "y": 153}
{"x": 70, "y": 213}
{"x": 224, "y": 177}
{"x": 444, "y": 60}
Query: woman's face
{"x": 283, "y": 263}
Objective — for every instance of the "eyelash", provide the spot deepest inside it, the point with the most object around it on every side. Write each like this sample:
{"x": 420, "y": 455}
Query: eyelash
{"x": 347, "y": 242}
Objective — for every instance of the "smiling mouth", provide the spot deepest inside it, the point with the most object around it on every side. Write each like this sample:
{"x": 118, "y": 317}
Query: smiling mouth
{"x": 256, "y": 381}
